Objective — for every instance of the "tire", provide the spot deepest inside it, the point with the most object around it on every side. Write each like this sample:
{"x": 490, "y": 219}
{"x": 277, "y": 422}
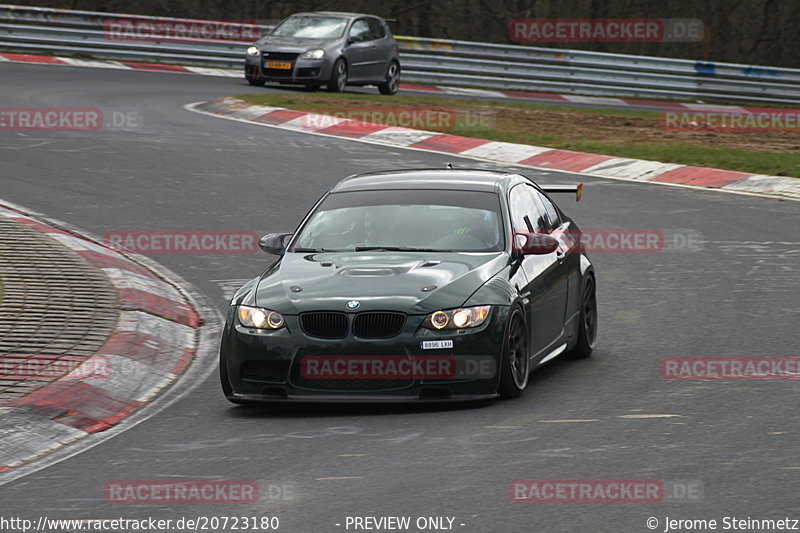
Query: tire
{"x": 256, "y": 83}
{"x": 338, "y": 80}
{"x": 392, "y": 81}
{"x": 515, "y": 363}
{"x": 587, "y": 327}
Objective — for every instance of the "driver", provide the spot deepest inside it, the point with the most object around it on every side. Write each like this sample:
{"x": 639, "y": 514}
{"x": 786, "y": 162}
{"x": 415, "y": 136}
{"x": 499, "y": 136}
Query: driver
{"x": 375, "y": 231}
{"x": 483, "y": 228}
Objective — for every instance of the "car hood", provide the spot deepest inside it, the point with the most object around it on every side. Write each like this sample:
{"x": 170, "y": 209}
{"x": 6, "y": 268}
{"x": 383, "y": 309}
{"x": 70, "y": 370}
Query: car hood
{"x": 291, "y": 44}
{"x": 378, "y": 280}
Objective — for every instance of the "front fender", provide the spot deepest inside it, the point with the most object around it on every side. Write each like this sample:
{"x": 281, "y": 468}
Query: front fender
{"x": 496, "y": 291}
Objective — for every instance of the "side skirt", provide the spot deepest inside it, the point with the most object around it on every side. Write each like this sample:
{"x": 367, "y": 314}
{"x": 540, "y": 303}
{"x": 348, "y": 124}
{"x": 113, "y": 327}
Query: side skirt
{"x": 552, "y": 355}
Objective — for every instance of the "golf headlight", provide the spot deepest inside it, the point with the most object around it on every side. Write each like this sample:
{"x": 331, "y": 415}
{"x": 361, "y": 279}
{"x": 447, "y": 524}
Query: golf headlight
{"x": 252, "y": 51}
{"x": 313, "y": 54}
{"x": 463, "y": 317}
{"x": 257, "y": 317}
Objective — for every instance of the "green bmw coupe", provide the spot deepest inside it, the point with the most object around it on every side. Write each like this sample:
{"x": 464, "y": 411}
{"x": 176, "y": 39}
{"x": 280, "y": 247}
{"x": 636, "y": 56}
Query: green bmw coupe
{"x": 413, "y": 286}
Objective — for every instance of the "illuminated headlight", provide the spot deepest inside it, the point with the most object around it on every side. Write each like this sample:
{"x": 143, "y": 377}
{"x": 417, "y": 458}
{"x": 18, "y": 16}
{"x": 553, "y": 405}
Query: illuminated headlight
{"x": 252, "y": 51}
{"x": 256, "y": 317}
{"x": 313, "y": 54}
{"x": 463, "y": 317}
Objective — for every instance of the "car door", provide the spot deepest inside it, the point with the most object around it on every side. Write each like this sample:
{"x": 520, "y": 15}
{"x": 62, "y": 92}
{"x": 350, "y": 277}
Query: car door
{"x": 384, "y": 47}
{"x": 545, "y": 274}
{"x": 569, "y": 253}
{"x": 568, "y": 261}
{"x": 360, "y": 51}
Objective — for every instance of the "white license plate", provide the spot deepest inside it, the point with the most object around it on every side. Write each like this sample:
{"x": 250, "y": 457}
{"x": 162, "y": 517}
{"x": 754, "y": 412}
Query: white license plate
{"x": 436, "y": 345}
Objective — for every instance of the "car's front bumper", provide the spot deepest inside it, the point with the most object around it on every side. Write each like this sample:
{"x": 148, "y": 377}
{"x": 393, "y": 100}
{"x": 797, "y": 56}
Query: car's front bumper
{"x": 303, "y": 71}
{"x": 265, "y": 366}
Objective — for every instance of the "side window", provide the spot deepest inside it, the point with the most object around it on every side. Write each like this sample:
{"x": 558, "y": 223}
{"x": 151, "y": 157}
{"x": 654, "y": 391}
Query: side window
{"x": 376, "y": 29}
{"x": 526, "y": 211}
{"x": 554, "y": 220}
{"x": 359, "y": 31}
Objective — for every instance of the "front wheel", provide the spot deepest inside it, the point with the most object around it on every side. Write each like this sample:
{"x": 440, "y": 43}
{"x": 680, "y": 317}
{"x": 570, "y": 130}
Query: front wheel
{"x": 515, "y": 363}
{"x": 392, "y": 80}
{"x": 338, "y": 80}
{"x": 587, "y": 328}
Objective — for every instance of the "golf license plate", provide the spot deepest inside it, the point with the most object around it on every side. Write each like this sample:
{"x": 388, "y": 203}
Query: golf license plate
{"x": 282, "y": 65}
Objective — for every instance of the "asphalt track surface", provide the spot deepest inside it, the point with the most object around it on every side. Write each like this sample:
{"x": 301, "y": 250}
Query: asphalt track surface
{"x": 738, "y": 296}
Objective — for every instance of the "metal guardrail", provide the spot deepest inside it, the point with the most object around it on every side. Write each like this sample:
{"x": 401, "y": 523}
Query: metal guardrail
{"x": 87, "y": 33}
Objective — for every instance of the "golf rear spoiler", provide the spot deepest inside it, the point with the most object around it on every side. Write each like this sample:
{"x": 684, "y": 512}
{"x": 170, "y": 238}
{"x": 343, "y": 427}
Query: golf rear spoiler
{"x": 577, "y": 189}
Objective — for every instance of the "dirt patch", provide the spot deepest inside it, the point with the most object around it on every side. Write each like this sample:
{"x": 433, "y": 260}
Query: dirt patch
{"x": 635, "y": 130}
{"x": 524, "y": 122}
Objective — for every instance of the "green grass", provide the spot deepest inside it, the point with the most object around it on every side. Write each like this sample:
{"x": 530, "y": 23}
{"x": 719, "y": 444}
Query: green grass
{"x": 669, "y": 151}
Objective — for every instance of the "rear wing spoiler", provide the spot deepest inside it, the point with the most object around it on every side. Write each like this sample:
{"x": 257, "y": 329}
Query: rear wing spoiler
{"x": 577, "y": 189}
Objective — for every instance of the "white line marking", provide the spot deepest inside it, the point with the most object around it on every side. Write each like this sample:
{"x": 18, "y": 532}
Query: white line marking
{"x": 504, "y": 152}
{"x": 715, "y": 107}
{"x": 594, "y": 100}
{"x": 569, "y": 421}
{"x": 94, "y": 64}
{"x": 472, "y": 92}
{"x": 650, "y": 416}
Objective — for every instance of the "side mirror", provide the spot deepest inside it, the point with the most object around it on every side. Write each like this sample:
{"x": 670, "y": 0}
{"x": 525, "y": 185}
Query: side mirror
{"x": 352, "y": 39}
{"x": 273, "y": 243}
{"x": 526, "y": 243}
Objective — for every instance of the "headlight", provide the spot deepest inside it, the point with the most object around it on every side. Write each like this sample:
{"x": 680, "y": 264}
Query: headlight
{"x": 257, "y": 317}
{"x": 252, "y": 51}
{"x": 313, "y": 54}
{"x": 463, "y": 317}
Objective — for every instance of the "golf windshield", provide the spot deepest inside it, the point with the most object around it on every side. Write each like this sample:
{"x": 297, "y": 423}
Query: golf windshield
{"x": 397, "y": 220}
{"x": 311, "y": 27}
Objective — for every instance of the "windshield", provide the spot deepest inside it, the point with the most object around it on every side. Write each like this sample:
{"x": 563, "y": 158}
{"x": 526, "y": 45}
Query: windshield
{"x": 462, "y": 221}
{"x": 309, "y": 27}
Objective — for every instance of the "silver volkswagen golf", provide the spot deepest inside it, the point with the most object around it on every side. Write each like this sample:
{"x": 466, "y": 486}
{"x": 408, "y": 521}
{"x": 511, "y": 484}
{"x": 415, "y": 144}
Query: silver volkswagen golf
{"x": 327, "y": 48}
